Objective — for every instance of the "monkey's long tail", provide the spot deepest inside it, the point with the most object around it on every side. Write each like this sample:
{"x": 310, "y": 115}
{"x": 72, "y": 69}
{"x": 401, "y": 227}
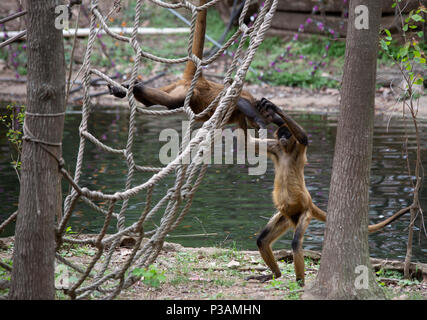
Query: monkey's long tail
{"x": 198, "y": 42}
{"x": 382, "y": 224}
{"x": 319, "y": 214}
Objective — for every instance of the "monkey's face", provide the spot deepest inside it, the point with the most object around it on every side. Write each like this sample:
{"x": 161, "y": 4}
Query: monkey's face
{"x": 283, "y": 134}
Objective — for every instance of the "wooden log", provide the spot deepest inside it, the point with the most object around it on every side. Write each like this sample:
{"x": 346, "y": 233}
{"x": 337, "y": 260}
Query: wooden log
{"x": 336, "y": 6}
{"x": 292, "y": 21}
{"x": 418, "y": 270}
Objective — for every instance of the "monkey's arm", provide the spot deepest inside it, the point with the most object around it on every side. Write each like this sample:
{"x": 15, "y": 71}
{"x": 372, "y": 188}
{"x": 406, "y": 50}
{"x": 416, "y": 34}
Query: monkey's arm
{"x": 296, "y": 130}
{"x": 150, "y": 96}
{"x": 251, "y": 112}
{"x": 294, "y": 127}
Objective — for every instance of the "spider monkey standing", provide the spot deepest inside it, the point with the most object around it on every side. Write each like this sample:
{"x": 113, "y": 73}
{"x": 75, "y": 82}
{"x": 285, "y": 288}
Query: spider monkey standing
{"x": 291, "y": 197}
{"x": 173, "y": 95}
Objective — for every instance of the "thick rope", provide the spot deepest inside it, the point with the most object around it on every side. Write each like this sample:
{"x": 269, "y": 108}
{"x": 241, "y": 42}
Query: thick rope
{"x": 107, "y": 279}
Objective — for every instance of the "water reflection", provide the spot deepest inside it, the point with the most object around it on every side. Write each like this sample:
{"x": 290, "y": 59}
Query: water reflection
{"x": 230, "y": 202}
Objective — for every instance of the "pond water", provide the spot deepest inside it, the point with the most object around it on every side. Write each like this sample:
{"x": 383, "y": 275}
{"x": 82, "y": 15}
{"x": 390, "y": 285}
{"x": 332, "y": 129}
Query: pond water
{"x": 230, "y": 203}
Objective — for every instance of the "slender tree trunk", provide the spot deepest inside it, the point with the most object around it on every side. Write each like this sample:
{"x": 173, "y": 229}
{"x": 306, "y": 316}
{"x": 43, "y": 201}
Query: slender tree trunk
{"x": 40, "y": 193}
{"x": 345, "y": 270}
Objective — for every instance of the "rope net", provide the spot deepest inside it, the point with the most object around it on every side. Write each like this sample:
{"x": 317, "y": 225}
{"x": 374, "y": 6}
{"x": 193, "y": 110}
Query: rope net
{"x": 102, "y": 275}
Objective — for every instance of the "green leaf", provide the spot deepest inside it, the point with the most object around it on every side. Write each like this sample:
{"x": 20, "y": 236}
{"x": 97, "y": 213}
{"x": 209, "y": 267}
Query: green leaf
{"x": 419, "y": 81}
{"x": 384, "y": 45}
{"x": 388, "y": 34}
{"x": 403, "y": 52}
{"x": 138, "y": 272}
{"x": 417, "y": 17}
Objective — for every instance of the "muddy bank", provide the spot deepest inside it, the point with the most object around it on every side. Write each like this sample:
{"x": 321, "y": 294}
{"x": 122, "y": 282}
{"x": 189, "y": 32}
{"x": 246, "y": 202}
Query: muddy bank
{"x": 298, "y": 99}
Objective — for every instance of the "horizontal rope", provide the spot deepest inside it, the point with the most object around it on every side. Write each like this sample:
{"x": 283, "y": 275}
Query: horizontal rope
{"x": 177, "y": 200}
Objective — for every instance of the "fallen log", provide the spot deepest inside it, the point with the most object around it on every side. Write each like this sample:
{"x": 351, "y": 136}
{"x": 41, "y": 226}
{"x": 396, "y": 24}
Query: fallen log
{"x": 418, "y": 270}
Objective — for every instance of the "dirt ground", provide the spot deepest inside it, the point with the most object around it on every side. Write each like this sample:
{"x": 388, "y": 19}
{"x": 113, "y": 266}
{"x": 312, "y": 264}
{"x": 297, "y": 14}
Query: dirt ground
{"x": 219, "y": 274}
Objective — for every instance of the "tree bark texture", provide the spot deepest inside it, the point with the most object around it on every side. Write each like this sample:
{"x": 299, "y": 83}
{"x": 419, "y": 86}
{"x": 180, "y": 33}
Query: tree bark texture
{"x": 346, "y": 234}
{"x": 40, "y": 193}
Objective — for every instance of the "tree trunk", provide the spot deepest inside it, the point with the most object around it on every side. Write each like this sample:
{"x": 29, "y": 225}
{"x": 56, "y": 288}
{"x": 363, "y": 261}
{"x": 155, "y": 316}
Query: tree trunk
{"x": 40, "y": 193}
{"x": 345, "y": 246}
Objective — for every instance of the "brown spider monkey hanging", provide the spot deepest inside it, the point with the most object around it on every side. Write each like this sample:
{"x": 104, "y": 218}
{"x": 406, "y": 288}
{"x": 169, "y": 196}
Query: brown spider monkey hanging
{"x": 173, "y": 95}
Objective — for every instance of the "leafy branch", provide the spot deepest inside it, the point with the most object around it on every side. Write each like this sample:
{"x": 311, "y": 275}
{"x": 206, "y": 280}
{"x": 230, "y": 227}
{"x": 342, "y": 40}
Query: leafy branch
{"x": 14, "y": 122}
{"x": 406, "y": 58}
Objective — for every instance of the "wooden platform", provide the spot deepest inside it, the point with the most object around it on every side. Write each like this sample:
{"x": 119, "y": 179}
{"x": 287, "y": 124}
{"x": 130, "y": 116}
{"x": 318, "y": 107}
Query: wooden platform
{"x": 336, "y": 6}
{"x": 329, "y": 15}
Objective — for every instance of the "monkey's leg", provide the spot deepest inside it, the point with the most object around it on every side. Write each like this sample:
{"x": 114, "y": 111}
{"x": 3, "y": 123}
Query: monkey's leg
{"x": 303, "y": 222}
{"x": 277, "y": 120}
{"x": 150, "y": 96}
{"x": 251, "y": 112}
{"x": 277, "y": 226}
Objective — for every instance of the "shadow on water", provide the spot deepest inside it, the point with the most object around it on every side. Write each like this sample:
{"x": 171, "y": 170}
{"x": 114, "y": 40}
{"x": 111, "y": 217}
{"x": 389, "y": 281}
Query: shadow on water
{"x": 231, "y": 203}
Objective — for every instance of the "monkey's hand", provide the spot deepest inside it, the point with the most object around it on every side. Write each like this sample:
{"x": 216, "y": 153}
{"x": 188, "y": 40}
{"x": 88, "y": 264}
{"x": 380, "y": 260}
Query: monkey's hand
{"x": 117, "y": 91}
{"x": 262, "y": 278}
{"x": 267, "y": 109}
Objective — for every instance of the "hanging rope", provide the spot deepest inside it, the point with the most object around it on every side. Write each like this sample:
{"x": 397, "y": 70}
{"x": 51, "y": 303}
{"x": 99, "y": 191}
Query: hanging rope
{"x": 101, "y": 274}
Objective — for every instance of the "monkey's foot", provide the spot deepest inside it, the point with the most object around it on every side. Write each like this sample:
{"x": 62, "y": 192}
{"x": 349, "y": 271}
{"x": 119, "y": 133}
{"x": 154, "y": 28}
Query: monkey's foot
{"x": 119, "y": 92}
{"x": 300, "y": 282}
{"x": 116, "y": 91}
{"x": 262, "y": 278}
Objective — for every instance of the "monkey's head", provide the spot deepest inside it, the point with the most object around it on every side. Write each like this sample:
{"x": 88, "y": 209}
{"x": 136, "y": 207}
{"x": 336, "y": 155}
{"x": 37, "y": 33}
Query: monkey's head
{"x": 283, "y": 134}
